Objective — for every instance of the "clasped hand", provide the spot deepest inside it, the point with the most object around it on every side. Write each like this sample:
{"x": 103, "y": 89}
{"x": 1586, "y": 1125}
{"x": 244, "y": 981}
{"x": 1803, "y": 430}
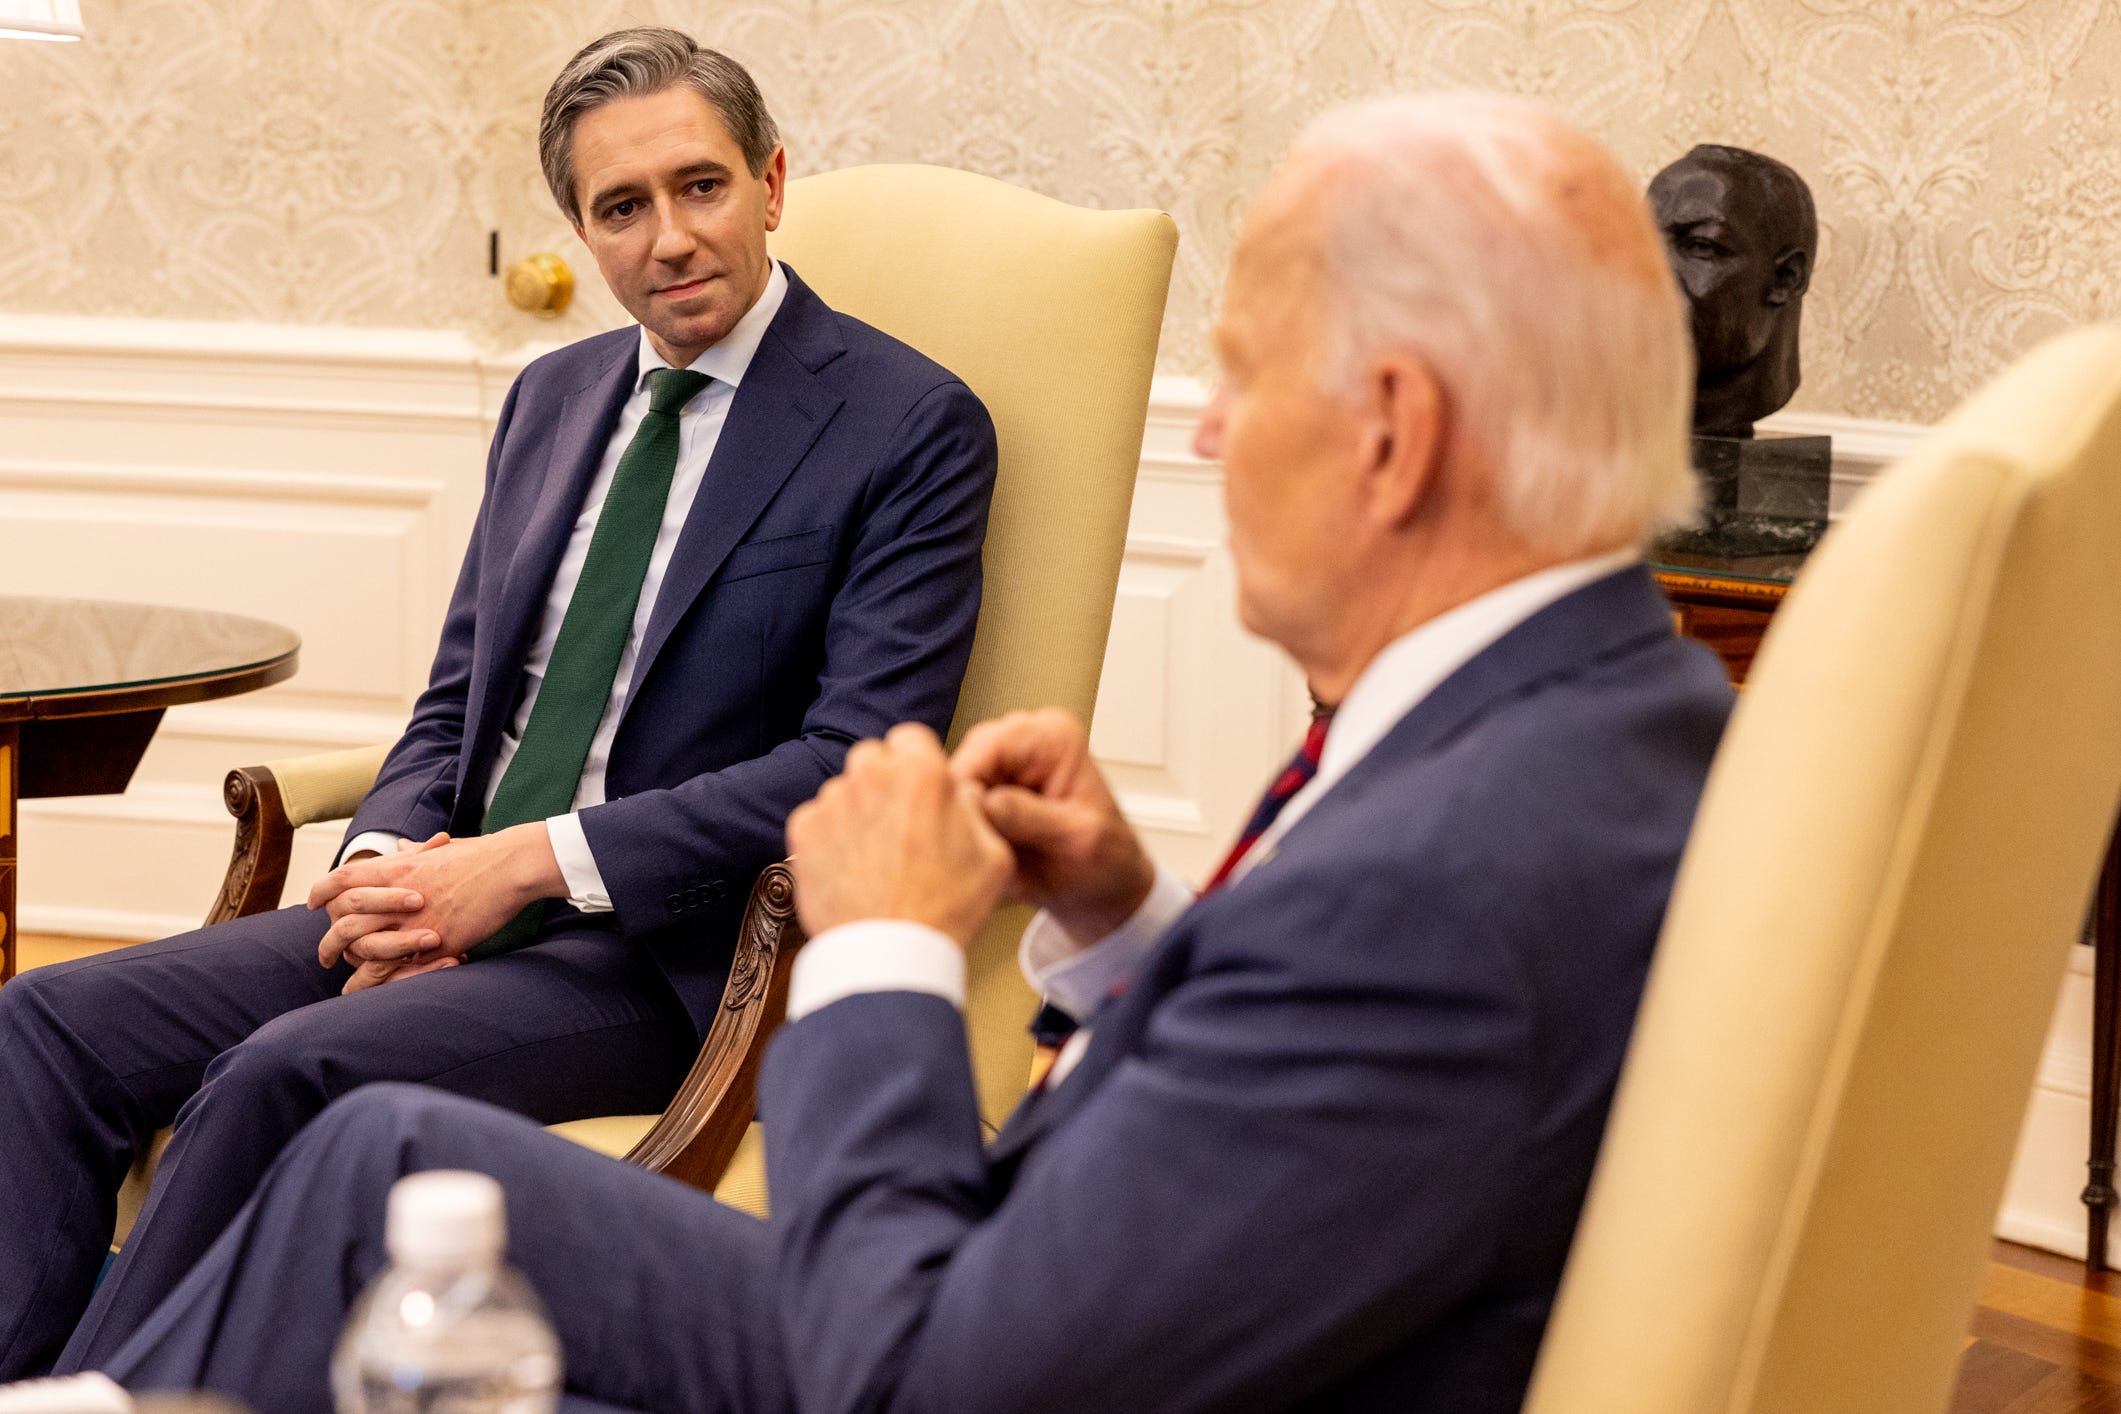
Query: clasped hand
{"x": 421, "y": 909}
{"x": 1020, "y": 811}
{"x": 902, "y": 832}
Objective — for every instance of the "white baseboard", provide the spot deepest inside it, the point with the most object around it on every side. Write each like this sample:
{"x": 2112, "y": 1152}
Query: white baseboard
{"x": 1863, "y": 446}
{"x": 2041, "y": 1205}
{"x": 2047, "y": 1233}
{"x": 116, "y": 925}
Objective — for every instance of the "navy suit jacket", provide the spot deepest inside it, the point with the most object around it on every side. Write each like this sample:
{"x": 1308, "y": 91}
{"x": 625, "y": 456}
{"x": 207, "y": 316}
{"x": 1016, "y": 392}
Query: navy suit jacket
{"x": 1329, "y": 1149}
{"x": 824, "y": 587}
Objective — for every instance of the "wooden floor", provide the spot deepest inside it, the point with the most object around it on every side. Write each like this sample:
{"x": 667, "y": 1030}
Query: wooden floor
{"x": 2046, "y": 1338}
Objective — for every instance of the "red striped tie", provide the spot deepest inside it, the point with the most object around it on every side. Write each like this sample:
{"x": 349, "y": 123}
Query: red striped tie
{"x": 1293, "y": 778}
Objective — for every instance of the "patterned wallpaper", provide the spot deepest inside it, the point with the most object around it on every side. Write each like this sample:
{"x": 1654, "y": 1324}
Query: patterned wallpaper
{"x": 340, "y": 161}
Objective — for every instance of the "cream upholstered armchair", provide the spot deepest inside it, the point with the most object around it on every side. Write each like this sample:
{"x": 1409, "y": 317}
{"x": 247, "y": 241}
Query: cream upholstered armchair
{"x": 1050, "y": 313}
{"x": 1892, "y": 858}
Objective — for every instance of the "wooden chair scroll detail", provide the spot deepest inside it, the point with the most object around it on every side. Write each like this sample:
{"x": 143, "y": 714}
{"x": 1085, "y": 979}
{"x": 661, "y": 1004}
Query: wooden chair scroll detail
{"x": 699, "y": 1130}
{"x": 257, "y": 866}
{"x": 697, "y": 1134}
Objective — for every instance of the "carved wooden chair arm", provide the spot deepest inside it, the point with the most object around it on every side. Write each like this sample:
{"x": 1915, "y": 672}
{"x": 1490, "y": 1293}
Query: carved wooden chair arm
{"x": 270, "y": 803}
{"x": 699, "y": 1130}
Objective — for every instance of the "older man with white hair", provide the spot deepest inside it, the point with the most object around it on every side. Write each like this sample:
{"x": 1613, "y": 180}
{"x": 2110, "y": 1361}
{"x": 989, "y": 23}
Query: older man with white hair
{"x": 1320, "y": 1134}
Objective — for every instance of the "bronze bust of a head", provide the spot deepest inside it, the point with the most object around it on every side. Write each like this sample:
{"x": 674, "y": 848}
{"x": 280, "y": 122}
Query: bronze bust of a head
{"x": 1742, "y": 235}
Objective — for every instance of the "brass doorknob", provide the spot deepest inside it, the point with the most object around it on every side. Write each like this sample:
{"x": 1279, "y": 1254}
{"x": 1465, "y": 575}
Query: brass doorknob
{"x": 541, "y": 284}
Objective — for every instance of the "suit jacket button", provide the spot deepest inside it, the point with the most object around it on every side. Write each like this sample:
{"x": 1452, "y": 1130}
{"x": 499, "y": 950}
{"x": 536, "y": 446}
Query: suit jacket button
{"x": 674, "y": 902}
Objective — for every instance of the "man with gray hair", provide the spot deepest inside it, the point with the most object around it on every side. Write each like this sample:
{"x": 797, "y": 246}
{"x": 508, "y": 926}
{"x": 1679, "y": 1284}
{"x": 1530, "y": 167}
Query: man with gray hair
{"x": 714, "y": 551}
{"x": 1319, "y": 1136}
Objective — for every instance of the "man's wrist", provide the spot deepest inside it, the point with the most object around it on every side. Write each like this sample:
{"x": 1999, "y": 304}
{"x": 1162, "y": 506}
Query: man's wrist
{"x": 530, "y": 867}
{"x": 369, "y": 844}
{"x": 1091, "y": 919}
{"x": 1075, "y": 974}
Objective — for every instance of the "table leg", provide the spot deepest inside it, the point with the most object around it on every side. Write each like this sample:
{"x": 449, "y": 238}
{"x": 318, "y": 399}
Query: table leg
{"x": 10, "y": 748}
{"x": 2099, "y": 1195}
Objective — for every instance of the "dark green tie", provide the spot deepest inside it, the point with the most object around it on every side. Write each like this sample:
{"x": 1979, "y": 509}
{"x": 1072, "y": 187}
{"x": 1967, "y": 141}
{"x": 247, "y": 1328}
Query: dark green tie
{"x": 546, "y": 770}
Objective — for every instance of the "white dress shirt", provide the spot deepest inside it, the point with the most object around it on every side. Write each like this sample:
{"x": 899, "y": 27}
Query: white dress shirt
{"x": 1076, "y": 975}
{"x": 699, "y": 428}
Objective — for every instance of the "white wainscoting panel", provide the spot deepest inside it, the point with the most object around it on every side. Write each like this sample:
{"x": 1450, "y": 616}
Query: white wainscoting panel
{"x": 322, "y": 478}
{"x": 327, "y": 479}
{"x": 2041, "y": 1203}
{"x": 1193, "y": 713}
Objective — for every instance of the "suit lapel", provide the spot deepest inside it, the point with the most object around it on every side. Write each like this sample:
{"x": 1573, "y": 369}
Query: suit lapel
{"x": 778, "y": 412}
{"x": 1621, "y": 612}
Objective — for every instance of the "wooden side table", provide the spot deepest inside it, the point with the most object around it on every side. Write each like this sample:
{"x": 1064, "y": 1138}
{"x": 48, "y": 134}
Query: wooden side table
{"x": 1727, "y": 607}
{"x": 84, "y": 683}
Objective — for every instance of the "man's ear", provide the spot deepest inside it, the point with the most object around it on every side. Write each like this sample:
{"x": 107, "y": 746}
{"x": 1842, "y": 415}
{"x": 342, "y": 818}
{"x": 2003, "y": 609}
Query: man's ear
{"x": 1407, "y": 434}
{"x": 776, "y": 179}
{"x": 1793, "y": 275}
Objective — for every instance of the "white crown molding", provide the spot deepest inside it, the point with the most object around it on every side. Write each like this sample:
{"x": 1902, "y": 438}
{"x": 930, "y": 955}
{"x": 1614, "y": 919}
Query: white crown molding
{"x": 1867, "y": 440}
{"x": 271, "y": 354}
{"x": 1863, "y": 446}
{"x": 307, "y": 412}
{"x": 235, "y": 720}
{"x": 1178, "y": 395}
{"x": 336, "y": 489}
{"x": 508, "y": 363}
{"x": 182, "y": 339}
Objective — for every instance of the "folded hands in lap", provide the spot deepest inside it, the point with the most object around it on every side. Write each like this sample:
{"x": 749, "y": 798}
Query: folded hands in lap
{"x": 422, "y": 908}
{"x": 903, "y": 832}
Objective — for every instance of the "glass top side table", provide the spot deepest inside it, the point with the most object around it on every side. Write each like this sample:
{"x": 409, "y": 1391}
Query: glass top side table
{"x": 83, "y": 685}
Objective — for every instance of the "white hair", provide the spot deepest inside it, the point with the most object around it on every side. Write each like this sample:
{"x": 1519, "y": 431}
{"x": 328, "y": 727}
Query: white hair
{"x": 1505, "y": 249}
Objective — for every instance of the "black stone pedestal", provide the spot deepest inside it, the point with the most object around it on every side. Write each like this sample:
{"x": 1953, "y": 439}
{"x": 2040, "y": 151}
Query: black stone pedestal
{"x": 1762, "y": 495}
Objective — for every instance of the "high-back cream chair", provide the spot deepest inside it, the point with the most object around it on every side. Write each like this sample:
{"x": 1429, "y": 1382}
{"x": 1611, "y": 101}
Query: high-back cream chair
{"x": 1892, "y": 859}
{"x": 1050, "y": 313}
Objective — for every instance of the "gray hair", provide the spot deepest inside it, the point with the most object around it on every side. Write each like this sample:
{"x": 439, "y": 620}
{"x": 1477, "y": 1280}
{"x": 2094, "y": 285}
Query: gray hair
{"x": 633, "y": 63}
{"x": 1500, "y": 244}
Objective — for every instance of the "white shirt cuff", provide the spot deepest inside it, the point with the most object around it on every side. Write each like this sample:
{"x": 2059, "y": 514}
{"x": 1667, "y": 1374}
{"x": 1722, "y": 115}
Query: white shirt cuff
{"x": 1075, "y": 976}
{"x": 578, "y": 867}
{"x": 381, "y": 841}
{"x": 875, "y": 955}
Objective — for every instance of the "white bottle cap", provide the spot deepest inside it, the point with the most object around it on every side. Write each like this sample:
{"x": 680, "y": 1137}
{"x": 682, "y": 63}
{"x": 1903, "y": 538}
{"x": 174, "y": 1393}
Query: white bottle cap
{"x": 444, "y": 1217}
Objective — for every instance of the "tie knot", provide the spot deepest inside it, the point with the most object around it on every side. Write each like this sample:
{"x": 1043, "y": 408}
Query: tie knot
{"x": 669, "y": 389}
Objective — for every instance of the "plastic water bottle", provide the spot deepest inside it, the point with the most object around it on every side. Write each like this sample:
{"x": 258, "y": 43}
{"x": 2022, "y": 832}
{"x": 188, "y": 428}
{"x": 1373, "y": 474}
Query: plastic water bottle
{"x": 448, "y": 1328}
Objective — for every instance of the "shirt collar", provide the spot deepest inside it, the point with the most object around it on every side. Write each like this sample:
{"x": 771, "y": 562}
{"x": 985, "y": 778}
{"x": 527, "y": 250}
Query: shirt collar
{"x": 727, "y": 359}
{"x": 1411, "y": 666}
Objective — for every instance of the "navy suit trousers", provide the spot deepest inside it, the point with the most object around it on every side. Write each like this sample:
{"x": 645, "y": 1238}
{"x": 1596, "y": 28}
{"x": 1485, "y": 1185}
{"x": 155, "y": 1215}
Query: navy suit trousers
{"x": 236, "y": 1035}
{"x": 663, "y": 1299}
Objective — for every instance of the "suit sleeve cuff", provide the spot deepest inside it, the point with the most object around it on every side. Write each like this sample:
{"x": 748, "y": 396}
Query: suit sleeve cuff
{"x": 578, "y": 867}
{"x": 381, "y": 841}
{"x": 875, "y": 955}
{"x": 1075, "y": 976}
